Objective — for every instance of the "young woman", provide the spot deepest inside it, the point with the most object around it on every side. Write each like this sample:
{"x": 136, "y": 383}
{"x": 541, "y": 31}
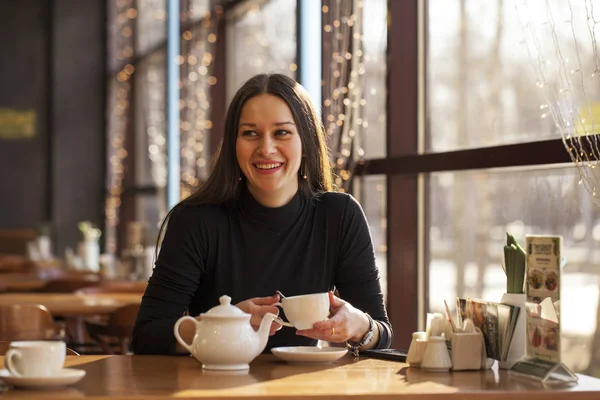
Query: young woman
{"x": 266, "y": 220}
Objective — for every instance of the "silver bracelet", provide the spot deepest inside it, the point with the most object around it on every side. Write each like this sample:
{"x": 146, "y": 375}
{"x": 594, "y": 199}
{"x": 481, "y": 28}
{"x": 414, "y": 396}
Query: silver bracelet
{"x": 366, "y": 339}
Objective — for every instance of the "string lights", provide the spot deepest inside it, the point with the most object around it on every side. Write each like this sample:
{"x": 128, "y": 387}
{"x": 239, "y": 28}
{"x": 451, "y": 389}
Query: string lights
{"x": 145, "y": 27}
{"x": 566, "y": 74}
{"x": 252, "y": 49}
{"x": 121, "y": 43}
{"x": 196, "y": 60}
{"x": 343, "y": 83}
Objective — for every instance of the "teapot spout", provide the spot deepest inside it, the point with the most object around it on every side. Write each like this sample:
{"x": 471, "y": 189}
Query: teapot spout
{"x": 263, "y": 331}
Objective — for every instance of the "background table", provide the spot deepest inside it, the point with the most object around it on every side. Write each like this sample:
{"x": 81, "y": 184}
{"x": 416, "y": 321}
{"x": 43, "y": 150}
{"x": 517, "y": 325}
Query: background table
{"x": 151, "y": 377}
{"x": 74, "y": 305}
{"x": 21, "y": 282}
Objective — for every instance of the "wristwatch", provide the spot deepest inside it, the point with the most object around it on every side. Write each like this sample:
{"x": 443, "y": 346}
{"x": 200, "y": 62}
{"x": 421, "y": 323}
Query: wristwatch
{"x": 366, "y": 339}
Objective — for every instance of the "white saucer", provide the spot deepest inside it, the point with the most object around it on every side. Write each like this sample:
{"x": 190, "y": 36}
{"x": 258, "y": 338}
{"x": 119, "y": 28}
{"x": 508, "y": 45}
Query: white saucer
{"x": 309, "y": 354}
{"x": 67, "y": 376}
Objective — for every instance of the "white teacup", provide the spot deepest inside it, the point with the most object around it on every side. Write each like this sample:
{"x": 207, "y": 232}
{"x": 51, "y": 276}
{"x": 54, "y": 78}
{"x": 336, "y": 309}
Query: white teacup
{"x": 35, "y": 358}
{"x": 305, "y": 310}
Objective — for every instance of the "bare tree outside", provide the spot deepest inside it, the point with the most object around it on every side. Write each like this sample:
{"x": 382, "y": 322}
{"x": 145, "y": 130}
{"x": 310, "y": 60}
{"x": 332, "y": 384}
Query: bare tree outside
{"x": 484, "y": 89}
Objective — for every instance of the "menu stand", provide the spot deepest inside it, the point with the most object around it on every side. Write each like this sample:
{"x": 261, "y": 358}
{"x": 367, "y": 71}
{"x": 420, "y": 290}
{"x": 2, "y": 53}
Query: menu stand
{"x": 546, "y": 372}
{"x": 544, "y": 262}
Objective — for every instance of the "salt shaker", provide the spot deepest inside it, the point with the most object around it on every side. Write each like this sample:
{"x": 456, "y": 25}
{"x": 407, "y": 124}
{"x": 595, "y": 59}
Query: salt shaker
{"x": 436, "y": 357}
{"x": 416, "y": 349}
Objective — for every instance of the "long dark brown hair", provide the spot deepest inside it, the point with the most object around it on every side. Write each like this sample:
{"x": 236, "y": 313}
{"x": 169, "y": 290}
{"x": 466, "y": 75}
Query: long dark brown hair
{"x": 224, "y": 184}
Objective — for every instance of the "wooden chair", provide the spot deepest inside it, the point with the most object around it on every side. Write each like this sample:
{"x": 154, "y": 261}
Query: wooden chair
{"x": 117, "y": 328}
{"x": 27, "y": 322}
{"x": 67, "y": 281}
{"x": 14, "y": 241}
{"x": 67, "y": 285}
{"x": 11, "y": 263}
{"x": 104, "y": 320}
{"x": 5, "y": 345}
{"x": 115, "y": 287}
{"x": 62, "y": 273}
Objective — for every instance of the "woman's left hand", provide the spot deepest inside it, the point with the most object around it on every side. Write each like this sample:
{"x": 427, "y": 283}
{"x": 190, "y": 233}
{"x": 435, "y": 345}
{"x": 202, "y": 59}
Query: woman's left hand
{"x": 345, "y": 323}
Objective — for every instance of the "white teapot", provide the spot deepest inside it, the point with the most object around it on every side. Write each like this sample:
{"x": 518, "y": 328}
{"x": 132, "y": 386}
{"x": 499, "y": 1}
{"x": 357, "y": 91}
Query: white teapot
{"x": 224, "y": 338}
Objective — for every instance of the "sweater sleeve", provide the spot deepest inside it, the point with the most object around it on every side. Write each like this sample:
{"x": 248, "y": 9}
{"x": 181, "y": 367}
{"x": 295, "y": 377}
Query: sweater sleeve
{"x": 172, "y": 286}
{"x": 357, "y": 277}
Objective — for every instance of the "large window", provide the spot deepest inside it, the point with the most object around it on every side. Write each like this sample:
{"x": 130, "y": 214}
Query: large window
{"x": 488, "y": 104}
{"x": 370, "y": 137}
{"x": 372, "y": 196}
{"x": 261, "y": 38}
{"x": 137, "y": 136}
{"x": 374, "y": 46}
{"x": 469, "y": 214}
{"x": 497, "y": 70}
{"x": 511, "y": 72}
{"x": 150, "y": 144}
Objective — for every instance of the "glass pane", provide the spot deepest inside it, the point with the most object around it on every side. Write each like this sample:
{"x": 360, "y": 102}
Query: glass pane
{"x": 150, "y": 127}
{"x": 375, "y": 67}
{"x": 467, "y": 218}
{"x": 370, "y": 191}
{"x": 118, "y": 96}
{"x": 261, "y": 38}
{"x": 197, "y": 51}
{"x": 503, "y": 72}
{"x": 198, "y": 9}
{"x": 151, "y": 25}
{"x": 150, "y": 211}
{"x": 121, "y": 21}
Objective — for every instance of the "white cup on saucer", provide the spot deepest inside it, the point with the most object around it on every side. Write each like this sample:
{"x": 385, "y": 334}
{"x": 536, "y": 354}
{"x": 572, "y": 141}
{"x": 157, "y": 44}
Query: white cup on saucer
{"x": 305, "y": 310}
{"x": 35, "y": 358}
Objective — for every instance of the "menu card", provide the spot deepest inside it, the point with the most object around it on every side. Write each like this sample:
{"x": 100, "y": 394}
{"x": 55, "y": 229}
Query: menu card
{"x": 543, "y": 294}
{"x": 497, "y": 322}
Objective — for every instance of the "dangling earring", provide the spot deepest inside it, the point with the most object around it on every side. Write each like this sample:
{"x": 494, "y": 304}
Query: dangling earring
{"x": 303, "y": 170}
{"x": 240, "y": 178}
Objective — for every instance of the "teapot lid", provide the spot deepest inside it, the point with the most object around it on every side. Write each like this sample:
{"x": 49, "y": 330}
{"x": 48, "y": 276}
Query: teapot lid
{"x": 225, "y": 310}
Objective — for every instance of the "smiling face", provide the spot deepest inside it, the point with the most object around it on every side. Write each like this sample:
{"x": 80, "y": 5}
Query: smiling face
{"x": 269, "y": 150}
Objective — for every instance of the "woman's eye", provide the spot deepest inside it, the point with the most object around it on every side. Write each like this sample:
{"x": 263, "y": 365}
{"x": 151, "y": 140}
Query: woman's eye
{"x": 248, "y": 133}
{"x": 282, "y": 132}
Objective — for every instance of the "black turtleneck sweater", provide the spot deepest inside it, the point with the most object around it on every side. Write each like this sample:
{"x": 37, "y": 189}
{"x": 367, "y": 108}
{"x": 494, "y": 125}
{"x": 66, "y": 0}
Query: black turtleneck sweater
{"x": 245, "y": 250}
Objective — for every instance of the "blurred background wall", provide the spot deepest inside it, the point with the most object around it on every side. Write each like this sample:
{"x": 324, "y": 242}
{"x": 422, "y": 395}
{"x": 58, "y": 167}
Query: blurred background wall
{"x": 55, "y": 72}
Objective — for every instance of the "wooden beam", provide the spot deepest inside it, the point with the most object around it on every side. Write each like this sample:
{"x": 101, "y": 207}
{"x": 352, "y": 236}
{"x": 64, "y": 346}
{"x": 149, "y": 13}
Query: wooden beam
{"x": 552, "y": 151}
{"x": 402, "y": 193}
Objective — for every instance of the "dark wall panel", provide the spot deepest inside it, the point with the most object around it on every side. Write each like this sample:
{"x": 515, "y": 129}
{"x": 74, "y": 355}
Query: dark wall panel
{"x": 78, "y": 117}
{"x": 24, "y": 86}
{"x": 53, "y": 61}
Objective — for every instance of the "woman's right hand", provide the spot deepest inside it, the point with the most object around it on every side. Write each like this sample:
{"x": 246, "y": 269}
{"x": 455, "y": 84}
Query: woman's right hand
{"x": 258, "y": 307}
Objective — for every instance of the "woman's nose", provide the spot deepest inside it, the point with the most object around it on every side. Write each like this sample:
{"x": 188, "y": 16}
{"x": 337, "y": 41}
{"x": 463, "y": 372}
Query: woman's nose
{"x": 266, "y": 146}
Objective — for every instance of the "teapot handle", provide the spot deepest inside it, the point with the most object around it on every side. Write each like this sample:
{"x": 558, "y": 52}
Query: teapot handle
{"x": 178, "y": 336}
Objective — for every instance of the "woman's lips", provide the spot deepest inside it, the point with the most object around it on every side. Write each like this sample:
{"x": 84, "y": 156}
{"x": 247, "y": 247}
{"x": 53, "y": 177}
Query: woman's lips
{"x": 267, "y": 168}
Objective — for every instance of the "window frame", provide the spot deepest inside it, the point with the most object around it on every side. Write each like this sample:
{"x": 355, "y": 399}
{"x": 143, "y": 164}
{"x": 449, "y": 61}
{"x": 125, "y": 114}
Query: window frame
{"x": 130, "y": 189}
{"x": 406, "y": 166}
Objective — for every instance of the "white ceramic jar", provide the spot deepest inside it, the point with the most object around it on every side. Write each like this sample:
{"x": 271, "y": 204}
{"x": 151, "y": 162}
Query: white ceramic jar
{"x": 417, "y": 348}
{"x": 436, "y": 357}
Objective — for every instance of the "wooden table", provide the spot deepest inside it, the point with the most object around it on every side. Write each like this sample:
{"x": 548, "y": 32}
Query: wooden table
{"x": 152, "y": 377}
{"x": 22, "y": 282}
{"x": 74, "y": 305}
